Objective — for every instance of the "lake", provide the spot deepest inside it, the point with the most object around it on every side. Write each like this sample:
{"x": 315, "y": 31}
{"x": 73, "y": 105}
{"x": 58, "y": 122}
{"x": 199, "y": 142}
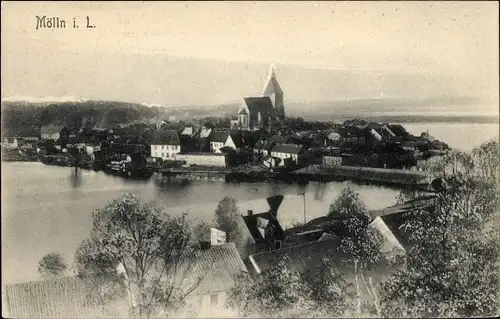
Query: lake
{"x": 43, "y": 211}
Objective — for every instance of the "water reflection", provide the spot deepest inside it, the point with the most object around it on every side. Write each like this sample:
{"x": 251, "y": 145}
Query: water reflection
{"x": 76, "y": 177}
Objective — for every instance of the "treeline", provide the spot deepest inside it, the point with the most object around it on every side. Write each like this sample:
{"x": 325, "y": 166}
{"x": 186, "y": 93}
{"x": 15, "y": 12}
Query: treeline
{"x": 20, "y": 118}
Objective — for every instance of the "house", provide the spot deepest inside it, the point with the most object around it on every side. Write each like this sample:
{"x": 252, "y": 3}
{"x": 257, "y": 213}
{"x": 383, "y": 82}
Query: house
{"x": 51, "y": 132}
{"x": 209, "y": 273}
{"x": 264, "y": 228}
{"x": 353, "y": 135}
{"x": 215, "y": 269}
{"x": 328, "y": 249}
{"x": 203, "y": 159}
{"x": 165, "y": 144}
{"x": 190, "y": 131}
{"x": 92, "y": 147}
{"x": 10, "y": 143}
{"x": 288, "y": 151}
{"x": 236, "y": 141}
{"x": 264, "y": 110}
{"x": 332, "y": 160}
{"x": 76, "y": 142}
{"x": 218, "y": 140}
{"x": 271, "y": 161}
{"x": 201, "y": 140}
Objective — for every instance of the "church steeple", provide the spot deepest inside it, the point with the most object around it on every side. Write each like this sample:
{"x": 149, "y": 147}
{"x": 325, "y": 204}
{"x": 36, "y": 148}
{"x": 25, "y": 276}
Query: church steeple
{"x": 273, "y": 89}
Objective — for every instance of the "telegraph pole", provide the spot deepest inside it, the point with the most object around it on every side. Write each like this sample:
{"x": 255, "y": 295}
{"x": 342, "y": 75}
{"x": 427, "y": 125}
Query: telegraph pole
{"x": 304, "y": 197}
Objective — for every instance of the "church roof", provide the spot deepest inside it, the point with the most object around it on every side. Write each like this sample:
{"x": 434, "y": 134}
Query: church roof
{"x": 272, "y": 86}
{"x": 260, "y": 104}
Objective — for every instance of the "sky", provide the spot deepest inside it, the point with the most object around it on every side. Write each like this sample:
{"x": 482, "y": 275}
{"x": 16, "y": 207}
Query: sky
{"x": 178, "y": 53}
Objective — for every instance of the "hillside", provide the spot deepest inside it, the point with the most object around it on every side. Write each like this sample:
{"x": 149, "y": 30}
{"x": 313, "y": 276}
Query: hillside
{"x": 22, "y": 117}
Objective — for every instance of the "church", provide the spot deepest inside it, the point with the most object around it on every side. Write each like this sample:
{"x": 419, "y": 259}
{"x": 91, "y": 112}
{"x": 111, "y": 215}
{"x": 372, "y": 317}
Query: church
{"x": 264, "y": 110}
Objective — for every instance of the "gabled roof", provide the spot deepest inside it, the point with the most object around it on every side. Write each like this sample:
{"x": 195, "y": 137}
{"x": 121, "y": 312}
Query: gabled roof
{"x": 189, "y": 130}
{"x": 398, "y": 129}
{"x": 166, "y": 137}
{"x": 205, "y": 132}
{"x": 260, "y": 104}
{"x": 320, "y": 223}
{"x": 287, "y": 148}
{"x": 301, "y": 257}
{"x": 217, "y": 267}
{"x": 253, "y": 221}
{"x": 237, "y": 139}
{"x": 219, "y": 136}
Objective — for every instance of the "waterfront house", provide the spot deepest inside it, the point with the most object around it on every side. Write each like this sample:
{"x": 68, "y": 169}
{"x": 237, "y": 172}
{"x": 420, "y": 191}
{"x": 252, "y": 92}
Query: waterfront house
{"x": 75, "y": 142}
{"x": 51, "y": 132}
{"x": 165, "y": 144}
{"x": 237, "y": 141}
{"x": 292, "y": 152}
{"x": 202, "y": 139}
{"x": 10, "y": 143}
{"x": 218, "y": 140}
{"x": 92, "y": 147}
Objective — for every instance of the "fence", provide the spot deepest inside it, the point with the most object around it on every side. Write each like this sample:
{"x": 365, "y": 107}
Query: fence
{"x": 59, "y": 298}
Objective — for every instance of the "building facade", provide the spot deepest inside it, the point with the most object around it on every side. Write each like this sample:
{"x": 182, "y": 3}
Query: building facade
{"x": 165, "y": 144}
{"x": 264, "y": 110}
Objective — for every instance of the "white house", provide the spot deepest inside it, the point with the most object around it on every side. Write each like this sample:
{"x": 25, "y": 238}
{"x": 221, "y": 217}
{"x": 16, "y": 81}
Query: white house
{"x": 218, "y": 140}
{"x": 215, "y": 269}
{"x": 10, "y": 143}
{"x": 90, "y": 148}
{"x": 165, "y": 144}
{"x": 285, "y": 151}
{"x": 51, "y": 132}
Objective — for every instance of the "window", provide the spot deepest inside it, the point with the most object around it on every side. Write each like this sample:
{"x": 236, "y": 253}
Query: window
{"x": 162, "y": 155}
{"x": 277, "y": 244}
{"x": 163, "y": 147}
{"x": 214, "y": 299}
{"x": 168, "y": 155}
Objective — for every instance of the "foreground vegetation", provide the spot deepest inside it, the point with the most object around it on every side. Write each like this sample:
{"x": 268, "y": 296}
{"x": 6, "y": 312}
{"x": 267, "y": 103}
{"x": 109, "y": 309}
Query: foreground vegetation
{"x": 450, "y": 268}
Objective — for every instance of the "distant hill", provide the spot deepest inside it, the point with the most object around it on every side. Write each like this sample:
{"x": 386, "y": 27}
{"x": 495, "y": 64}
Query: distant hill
{"x": 21, "y": 117}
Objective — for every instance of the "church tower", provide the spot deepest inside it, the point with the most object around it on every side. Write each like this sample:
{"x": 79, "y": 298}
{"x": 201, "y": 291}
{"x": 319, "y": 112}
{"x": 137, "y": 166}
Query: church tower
{"x": 275, "y": 93}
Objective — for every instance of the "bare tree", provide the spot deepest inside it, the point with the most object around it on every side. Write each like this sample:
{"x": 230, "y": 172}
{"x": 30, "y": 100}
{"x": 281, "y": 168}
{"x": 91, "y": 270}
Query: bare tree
{"x": 140, "y": 252}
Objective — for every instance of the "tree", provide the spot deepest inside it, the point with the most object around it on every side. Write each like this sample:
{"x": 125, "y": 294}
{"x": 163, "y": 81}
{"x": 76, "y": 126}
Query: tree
{"x": 139, "y": 251}
{"x": 349, "y": 204}
{"x": 52, "y": 265}
{"x": 227, "y": 217}
{"x": 361, "y": 243}
{"x": 284, "y": 292}
{"x": 201, "y": 231}
{"x": 452, "y": 259}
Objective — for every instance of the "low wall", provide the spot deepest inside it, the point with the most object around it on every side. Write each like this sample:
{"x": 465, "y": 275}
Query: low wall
{"x": 207, "y": 159}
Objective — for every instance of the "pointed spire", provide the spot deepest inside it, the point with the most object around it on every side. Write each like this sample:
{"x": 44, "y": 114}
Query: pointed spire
{"x": 272, "y": 86}
{"x": 272, "y": 70}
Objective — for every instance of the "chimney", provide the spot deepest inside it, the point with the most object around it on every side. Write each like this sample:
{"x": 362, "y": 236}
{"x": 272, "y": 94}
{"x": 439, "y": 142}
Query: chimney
{"x": 205, "y": 245}
{"x": 249, "y": 212}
